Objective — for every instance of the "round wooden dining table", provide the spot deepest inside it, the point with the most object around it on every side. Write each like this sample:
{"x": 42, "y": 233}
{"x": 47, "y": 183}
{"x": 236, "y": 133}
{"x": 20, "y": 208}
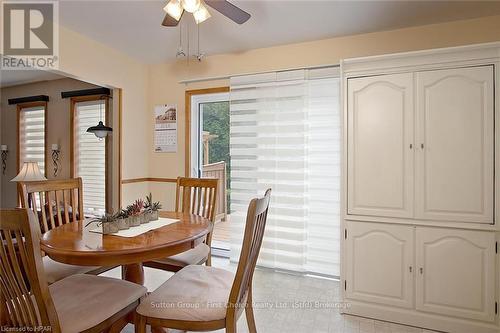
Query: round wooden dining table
{"x": 74, "y": 243}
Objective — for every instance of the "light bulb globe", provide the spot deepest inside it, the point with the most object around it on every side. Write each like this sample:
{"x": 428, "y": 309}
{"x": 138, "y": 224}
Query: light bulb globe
{"x": 191, "y": 5}
{"x": 174, "y": 9}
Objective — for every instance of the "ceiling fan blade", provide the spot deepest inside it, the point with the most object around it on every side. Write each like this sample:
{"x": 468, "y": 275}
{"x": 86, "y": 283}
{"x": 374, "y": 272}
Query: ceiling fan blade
{"x": 229, "y": 10}
{"x": 169, "y": 21}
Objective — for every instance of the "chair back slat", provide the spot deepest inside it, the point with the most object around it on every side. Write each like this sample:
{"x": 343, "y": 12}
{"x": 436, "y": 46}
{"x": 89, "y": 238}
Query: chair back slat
{"x": 196, "y": 196}
{"x": 66, "y": 206}
{"x": 51, "y": 211}
{"x": 58, "y": 208}
{"x": 60, "y": 201}
{"x": 252, "y": 241}
{"x": 44, "y": 225}
{"x": 74, "y": 202}
{"x": 199, "y": 201}
{"x": 12, "y": 272}
{"x": 35, "y": 208}
{"x": 24, "y": 290}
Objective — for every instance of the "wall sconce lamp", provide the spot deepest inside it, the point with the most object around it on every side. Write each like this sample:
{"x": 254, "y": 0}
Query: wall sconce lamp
{"x": 5, "y": 152}
{"x": 55, "y": 158}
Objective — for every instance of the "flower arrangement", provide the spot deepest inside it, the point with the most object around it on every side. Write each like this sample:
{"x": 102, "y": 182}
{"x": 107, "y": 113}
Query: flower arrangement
{"x": 144, "y": 218}
{"x": 152, "y": 208}
{"x": 107, "y": 222}
{"x": 140, "y": 211}
{"x": 122, "y": 219}
{"x": 134, "y": 212}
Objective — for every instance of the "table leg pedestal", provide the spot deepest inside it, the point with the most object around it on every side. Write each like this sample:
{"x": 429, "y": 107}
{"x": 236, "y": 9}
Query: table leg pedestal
{"x": 133, "y": 273}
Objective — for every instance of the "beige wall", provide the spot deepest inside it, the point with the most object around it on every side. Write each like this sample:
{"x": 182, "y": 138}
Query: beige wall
{"x": 94, "y": 62}
{"x": 91, "y": 61}
{"x": 164, "y": 87}
{"x": 87, "y": 60}
{"x": 58, "y": 128}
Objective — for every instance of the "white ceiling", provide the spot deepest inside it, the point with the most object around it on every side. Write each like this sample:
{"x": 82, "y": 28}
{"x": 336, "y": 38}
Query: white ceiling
{"x": 134, "y": 27}
{"x": 14, "y": 78}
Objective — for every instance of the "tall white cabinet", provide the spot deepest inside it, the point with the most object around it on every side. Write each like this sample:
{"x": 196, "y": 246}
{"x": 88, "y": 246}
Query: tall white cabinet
{"x": 454, "y": 160}
{"x": 380, "y": 140}
{"x": 419, "y": 188}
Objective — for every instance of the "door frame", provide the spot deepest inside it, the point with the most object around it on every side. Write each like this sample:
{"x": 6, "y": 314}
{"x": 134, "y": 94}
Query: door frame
{"x": 189, "y": 96}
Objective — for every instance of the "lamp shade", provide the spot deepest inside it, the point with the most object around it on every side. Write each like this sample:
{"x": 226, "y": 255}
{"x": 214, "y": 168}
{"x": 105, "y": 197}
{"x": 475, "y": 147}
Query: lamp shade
{"x": 174, "y": 9}
{"x": 29, "y": 172}
{"x": 100, "y": 130}
{"x": 201, "y": 14}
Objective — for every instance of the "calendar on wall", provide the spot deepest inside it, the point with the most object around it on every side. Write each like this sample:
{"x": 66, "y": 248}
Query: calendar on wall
{"x": 165, "y": 128}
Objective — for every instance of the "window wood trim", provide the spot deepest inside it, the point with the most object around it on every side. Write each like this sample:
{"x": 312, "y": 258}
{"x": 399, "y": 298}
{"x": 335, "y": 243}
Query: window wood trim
{"x": 187, "y": 113}
{"x": 107, "y": 179}
{"x": 120, "y": 170}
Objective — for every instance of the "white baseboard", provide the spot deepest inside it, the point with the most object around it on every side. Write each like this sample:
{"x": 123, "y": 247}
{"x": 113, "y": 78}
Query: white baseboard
{"x": 418, "y": 319}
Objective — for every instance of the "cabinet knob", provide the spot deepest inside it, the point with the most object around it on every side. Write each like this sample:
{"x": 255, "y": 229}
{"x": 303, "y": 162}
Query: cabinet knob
{"x": 411, "y": 145}
{"x": 411, "y": 269}
{"x": 421, "y": 270}
{"x": 422, "y": 145}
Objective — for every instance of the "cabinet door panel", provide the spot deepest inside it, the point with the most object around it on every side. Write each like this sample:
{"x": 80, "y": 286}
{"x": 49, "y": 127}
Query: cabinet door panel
{"x": 380, "y": 132}
{"x": 379, "y": 263}
{"x": 455, "y": 164}
{"x": 456, "y": 272}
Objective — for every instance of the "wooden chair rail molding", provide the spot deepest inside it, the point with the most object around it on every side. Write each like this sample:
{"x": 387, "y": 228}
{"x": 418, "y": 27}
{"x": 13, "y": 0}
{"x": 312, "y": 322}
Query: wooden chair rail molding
{"x": 149, "y": 179}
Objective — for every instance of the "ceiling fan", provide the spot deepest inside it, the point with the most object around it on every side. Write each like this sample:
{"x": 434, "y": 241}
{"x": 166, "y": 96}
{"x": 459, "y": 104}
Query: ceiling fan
{"x": 176, "y": 8}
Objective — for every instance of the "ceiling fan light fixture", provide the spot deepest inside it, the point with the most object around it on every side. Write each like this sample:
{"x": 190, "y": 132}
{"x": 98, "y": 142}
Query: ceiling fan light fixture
{"x": 202, "y": 14}
{"x": 174, "y": 9}
{"x": 191, "y": 5}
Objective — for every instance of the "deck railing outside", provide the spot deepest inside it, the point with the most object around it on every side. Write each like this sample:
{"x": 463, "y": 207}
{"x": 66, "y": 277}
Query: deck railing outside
{"x": 218, "y": 171}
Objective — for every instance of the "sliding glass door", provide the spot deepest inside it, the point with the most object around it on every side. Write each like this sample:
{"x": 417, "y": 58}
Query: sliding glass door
{"x": 210, "y": 121}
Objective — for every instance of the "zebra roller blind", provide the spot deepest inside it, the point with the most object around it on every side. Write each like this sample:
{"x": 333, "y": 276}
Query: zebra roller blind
{"x": 90, "y": 156}
{"x": 285, "y": 134}
{"x": 32, "y": 136}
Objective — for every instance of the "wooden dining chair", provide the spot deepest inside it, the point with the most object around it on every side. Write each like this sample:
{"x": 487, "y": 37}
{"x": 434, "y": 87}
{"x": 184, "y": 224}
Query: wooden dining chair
{"x": 79, "y": 303}
{"x": 203, "y": 298}
{"x": 54, "y": 203}
{"x": 195, "y": 196}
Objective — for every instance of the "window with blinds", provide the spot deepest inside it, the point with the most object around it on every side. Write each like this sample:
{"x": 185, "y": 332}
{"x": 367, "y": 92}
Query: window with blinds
{"x": 90, "y": 155}
{"x": 32, "y": 136}
{"x": 285, "y": 134}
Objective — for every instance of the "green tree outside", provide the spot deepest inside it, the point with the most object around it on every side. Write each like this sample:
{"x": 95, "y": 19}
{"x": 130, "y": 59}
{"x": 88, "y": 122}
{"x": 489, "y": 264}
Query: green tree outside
{"x": 216, "y": 121}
